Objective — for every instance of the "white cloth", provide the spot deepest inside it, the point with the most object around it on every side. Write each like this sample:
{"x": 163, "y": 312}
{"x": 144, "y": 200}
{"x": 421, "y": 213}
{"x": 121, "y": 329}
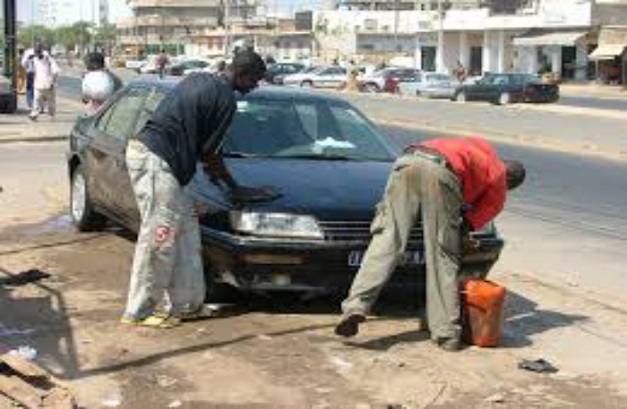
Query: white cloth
{"x": 44, "y": 97}
{"x": 97, "y": 86}
{"x": 46, "y": 71}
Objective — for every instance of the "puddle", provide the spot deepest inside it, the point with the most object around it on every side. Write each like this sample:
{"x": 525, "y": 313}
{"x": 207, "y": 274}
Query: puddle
{"x": 57, "y": 224}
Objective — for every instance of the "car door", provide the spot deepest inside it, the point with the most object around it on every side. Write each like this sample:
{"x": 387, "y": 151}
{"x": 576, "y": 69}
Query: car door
{"x": 111, "y": 135}
{"x": 481, "y": 89}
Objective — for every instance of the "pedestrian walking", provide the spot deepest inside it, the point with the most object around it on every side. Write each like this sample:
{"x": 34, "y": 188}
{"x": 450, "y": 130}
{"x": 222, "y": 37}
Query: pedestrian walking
{"x": 161, "y": 62}
{"x": 46, "y": 71}
{"x": 21, "y": 73}
{"x": 188, "y": 126}
{"x": 29, "y": 66}
{"x": 459, "y": 185}
{"x": 99, "y": 83}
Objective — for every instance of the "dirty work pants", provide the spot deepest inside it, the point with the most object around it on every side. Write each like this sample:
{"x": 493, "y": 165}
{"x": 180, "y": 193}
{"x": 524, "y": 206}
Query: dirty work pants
{"x": 168, "y": 251}
{"x": 417, "y": 184}
{"x": 45, "y": 97}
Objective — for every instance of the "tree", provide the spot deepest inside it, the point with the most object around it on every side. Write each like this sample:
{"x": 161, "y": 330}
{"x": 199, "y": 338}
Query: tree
{"x": 105, "y": 37}
{"x": 36, "y": 33}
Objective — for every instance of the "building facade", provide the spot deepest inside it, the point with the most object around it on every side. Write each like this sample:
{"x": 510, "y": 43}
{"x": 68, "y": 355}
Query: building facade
{"x": 55, "y": 13}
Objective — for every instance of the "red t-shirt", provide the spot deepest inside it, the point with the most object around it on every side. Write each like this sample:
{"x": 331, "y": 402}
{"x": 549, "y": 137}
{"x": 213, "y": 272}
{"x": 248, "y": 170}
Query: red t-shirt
{"x": 481, "y": 174}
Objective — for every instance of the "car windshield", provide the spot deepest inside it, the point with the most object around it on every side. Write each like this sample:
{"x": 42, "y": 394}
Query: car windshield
{"x": 312, "y": 129}
{"x": 438, "y": 78}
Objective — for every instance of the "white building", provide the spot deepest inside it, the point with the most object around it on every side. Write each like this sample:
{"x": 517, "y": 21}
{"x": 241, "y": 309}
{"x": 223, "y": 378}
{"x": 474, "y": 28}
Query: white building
{"x": 55, "y": 13}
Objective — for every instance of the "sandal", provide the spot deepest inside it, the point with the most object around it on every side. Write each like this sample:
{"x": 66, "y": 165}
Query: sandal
{"x": 156, "y": 320}
{"x": 193, "y": 315}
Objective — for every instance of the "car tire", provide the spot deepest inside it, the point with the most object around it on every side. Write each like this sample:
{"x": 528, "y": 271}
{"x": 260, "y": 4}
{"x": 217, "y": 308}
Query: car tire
{"x": 460, "y": 97}
{"x": 82, "y": 212}
{"x": 371, "y": 88}
{"x": 504, "y": 99}
{"x": 306, "y": 84}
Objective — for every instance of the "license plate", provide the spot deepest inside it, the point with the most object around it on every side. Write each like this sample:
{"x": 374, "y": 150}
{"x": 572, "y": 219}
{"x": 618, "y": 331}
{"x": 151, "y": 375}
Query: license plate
{"x": 410, "y": 258}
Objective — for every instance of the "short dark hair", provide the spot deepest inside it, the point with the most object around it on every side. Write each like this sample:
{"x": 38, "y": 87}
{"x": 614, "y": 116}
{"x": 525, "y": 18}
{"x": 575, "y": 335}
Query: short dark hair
{"x": 94, "y": 61}
{"x": 516, "y": 173}
{"x": 248, "y": 62}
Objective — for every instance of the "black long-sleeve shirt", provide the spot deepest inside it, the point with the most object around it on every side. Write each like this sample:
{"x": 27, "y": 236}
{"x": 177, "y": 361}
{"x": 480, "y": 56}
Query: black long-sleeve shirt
{"x": 190, "y": 123}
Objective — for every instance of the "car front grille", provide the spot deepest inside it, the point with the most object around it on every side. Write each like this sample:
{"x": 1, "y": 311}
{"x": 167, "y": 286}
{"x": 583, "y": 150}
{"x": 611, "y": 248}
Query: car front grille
{"x": 358, "y": 231}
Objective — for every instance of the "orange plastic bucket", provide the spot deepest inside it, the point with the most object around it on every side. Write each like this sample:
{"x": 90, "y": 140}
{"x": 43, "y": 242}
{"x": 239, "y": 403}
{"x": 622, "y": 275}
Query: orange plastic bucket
{"x": 482, "y": 305}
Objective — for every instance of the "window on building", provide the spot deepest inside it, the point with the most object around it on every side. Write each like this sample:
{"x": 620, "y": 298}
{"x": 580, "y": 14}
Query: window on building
{"x": 370, "y": 24}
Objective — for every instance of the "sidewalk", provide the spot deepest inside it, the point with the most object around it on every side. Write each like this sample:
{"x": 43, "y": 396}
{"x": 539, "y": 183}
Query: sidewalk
{"x": 594, "y": 90}
{"x": 18, "y": 128}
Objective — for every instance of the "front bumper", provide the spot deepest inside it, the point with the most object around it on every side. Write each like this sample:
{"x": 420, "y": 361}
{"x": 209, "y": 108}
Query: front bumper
{"x": 260, "y": 264}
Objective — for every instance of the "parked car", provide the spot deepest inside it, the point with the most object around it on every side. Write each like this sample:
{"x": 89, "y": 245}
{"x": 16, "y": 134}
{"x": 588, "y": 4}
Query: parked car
{"x": 277, "y": 72}
{"x": 186, "y": 67}
{"x": 133, "y": 64}
{"x": 388, "y": 79}
{"x": 8, "y": 96}
{"x": 430, "y": 85}
{"x": 328, "y": 161}
{"x": 322, "y": 77}
{"x": 503, "y": 89}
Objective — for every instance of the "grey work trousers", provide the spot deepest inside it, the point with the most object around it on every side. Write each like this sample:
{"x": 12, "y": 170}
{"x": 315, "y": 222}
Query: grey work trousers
{"x": 417, "y": 183}
{"x": 167, "y": 258}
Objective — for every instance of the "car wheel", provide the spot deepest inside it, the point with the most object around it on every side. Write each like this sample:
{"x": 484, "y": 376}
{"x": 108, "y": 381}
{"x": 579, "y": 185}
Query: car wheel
{"x": 460, "y": 97}
{"x": 371, "y": 88}
{"x": 84, "y": 217}
{"x": 306, "y": 84}
{"x": 505, "y": 98}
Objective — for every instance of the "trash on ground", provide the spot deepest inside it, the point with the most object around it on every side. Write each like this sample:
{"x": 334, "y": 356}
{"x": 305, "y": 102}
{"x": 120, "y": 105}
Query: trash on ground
{"x": 113, "y": 401}
{"x": 496, "y": 398}
{"x": 25, "y": 352}
{"x": 24, "y": 384}
{"x": 539, "y": 365}
{"x": 166, "y": 381}
{"x": 23, "y": 278}
{"x": 175, "y": 404}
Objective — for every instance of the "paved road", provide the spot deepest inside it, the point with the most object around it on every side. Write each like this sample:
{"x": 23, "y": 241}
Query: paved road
{"x": 593, "y": 102}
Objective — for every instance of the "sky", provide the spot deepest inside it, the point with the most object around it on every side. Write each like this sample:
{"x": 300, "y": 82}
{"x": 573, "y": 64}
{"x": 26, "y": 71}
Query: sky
{"x": 118, "y": 8}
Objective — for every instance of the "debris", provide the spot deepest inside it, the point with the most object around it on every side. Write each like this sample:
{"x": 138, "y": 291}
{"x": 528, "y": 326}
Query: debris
{"x": 401, "y": 364}
{"x": 539, "y": 365}
{"x": 341, "y": 364}
{"x": 25, "y": 384}
{"x": 26, "y": 352}
{"x": 165, "y": 381}
{"x": 496, "y": 398}
{"x": 23, "y": 278}
{"x": 175, "y": 404}
{"x": 113, "y": 401}
{"x": 264, "y": 337}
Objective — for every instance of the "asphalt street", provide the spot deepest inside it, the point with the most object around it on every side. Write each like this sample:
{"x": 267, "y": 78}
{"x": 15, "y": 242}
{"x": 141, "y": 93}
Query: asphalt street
{"x": 597, "y": 103}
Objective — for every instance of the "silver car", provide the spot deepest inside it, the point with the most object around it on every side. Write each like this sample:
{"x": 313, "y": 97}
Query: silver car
{"x": 430, "y": 85}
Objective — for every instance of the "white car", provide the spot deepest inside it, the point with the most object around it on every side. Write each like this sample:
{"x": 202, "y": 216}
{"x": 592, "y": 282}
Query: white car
{"x": 430, "y": 85}
{"x": 135, "y": 64}
{"x": 322, "y": 77}
{"x": 387, "y": 79}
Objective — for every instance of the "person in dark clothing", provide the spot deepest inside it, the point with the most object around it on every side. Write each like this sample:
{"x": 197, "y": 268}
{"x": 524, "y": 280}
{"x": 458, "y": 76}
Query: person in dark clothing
{"x": 188, "y": 126}
{"x": 459, "y": 185}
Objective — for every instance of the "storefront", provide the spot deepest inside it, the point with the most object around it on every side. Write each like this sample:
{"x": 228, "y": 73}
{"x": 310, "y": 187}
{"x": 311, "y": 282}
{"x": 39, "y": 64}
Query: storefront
{"x": 609, "y": 56}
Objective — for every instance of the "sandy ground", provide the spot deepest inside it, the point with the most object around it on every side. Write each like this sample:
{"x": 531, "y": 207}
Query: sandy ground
{"x": 282, "y": 353}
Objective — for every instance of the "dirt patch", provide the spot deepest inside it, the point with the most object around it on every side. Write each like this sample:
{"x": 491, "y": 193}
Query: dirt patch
{"x": 283, "y": 353}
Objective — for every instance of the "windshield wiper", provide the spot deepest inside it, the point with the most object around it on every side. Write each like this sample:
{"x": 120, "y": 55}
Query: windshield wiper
{"x": 315, "y": 156}
{"x": 235, "y": 154}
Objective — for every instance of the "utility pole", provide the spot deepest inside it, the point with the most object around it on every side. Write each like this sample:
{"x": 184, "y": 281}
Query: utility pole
{"x": 439, "y": 65}
{"x": 227, "y": 27}
{"x": 396, "y": 18}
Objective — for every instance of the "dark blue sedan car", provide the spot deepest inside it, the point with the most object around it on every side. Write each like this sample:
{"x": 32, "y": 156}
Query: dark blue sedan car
{"x": 328, "y": 161}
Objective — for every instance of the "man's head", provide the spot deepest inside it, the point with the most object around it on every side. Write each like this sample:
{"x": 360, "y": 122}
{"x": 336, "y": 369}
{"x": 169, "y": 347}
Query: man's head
{"x": 516, "y": 173}
{"x": 39, "y": 50}
{"x": 246, "y": 70}
{"x": 95, "y": 61}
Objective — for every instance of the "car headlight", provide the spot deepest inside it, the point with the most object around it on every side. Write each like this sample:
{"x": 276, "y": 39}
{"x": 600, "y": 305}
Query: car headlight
{"x": 276, "y": 225}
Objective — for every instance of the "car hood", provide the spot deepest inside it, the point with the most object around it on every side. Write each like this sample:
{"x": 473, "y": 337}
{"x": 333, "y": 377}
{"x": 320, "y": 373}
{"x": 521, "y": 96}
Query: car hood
{"x": 329, "y": 190}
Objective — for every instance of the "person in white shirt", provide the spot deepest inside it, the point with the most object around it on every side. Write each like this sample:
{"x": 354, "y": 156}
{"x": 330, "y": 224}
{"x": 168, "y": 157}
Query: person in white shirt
{"x": 46, "y": 72}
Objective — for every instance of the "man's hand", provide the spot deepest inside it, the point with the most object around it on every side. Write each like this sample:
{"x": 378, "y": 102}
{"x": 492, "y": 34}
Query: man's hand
{"x": 253, "y": 194}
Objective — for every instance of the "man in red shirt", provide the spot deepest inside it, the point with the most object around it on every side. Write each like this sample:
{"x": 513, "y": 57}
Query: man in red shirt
{"x": 458, "y": 185}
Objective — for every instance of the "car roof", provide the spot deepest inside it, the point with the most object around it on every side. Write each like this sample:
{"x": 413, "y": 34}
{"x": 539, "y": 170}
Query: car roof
{"x": 168, "y": 83}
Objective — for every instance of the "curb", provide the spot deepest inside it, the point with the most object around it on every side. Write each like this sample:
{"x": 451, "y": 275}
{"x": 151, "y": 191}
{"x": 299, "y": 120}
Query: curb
{"x": 34, "y": 139}
{"x": 519, "y": 140}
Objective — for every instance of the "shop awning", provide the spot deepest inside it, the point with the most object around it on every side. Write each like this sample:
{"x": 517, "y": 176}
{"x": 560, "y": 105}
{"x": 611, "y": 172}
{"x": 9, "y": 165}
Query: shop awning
{"x": 607, "y": 52}
{"x": 564, "y": 38}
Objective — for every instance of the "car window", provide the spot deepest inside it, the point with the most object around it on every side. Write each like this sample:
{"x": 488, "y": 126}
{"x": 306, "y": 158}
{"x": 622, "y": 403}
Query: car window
{"x": 334, "y": 71}
{"x": 124, "y": 113}
{"x": 153, "y": 100}
{"x": 500, "y": 80}
{"x": 286, "y": 128}
{"x": 102, "y": 122}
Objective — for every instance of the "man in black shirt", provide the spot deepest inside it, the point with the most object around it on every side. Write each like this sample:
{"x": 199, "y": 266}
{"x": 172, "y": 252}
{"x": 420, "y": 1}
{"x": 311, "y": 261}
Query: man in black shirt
{"x": 187, "y": 127}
